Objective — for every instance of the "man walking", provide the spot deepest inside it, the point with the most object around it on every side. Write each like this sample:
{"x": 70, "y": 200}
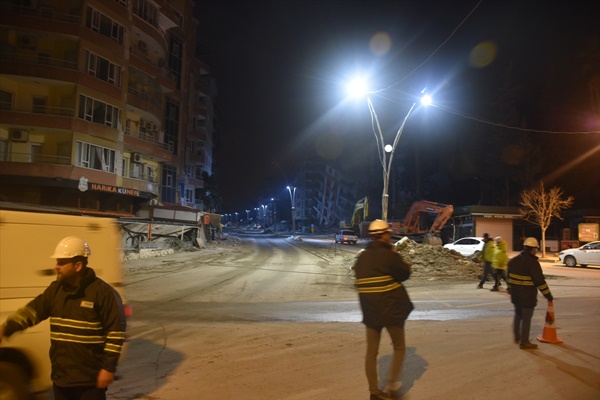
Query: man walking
{"x": 525, "y": 277}
{"x": 487, "y": 256}
{"x": 384, "y": 301}
{"x": 87, "y": 325}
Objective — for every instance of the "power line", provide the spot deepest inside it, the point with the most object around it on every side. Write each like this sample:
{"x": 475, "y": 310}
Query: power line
{"x": 483, "y": 121}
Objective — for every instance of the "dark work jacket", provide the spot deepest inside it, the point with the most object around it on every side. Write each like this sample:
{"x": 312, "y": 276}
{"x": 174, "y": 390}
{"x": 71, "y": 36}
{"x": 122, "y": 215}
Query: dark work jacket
{"x": 525, "y": 278}
{"x": 380, "y": 272}
{"x": 87, "y": 328}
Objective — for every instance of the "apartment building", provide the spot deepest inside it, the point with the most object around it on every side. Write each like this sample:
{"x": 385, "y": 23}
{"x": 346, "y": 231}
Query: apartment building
{"x": 103, "y": 104}
{"x": 325, "y": 195}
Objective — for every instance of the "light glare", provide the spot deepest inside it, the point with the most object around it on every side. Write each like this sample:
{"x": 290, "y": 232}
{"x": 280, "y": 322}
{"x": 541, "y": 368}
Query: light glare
{"x": 426, "y": 100}
{"x": 357, "y": 88}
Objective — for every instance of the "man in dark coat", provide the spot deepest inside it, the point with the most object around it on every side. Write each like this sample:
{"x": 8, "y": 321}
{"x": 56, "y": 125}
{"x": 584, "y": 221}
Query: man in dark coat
{"x": 525, "y": 278}
{"x": 380, "y": 271}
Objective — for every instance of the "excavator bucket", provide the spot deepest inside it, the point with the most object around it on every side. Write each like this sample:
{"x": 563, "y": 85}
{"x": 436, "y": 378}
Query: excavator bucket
{"x": 432, "y": 239}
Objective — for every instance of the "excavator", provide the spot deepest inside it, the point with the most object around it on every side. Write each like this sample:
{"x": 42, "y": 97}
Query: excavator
{"x": 361, "y": 207}
{"x": 416, "y": 222}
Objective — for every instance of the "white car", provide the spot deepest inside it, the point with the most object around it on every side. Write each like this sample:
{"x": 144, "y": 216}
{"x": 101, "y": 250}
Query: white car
{"x": 587, "y": 254}
{"x": 466, "y": 246}
{"x": 346, "y": 236}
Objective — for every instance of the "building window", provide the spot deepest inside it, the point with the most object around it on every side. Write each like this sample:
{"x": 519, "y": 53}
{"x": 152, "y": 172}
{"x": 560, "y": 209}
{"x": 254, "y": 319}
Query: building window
{"x": 98, "y": 22}
{"x": 168, "y": 187}
{"x": 97, "y": 111}
{"x": 176, "y": 58}
{"x": 172, "y": 124}
{"x": 103, "y": 69}
{"x": 189, "y": 195}
{"x": 146, "y": 11}
{"x": 39, "y": 104}
{"x": 95, "y": 157}
{"x": 6, "y": 100}
{"x": 3, "y": 148}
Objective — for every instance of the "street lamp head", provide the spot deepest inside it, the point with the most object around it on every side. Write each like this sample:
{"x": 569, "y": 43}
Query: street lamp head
{"x": 357, "y": 88}
{"x": 426, "y": 100}
{"x": 388, "y": 148}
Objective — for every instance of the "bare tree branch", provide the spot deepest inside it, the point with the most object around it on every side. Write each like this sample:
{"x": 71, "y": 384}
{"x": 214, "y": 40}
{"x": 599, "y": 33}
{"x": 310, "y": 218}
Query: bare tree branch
{"x": 540, "y": 206}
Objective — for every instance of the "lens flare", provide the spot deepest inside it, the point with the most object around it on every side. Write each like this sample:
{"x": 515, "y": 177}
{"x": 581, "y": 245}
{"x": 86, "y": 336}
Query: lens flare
{"x": 483, "y": 54}
{"x": 380, "y": 44}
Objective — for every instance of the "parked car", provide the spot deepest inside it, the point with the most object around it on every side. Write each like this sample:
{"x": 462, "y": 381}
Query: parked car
{"x": 585, "y": 255}
{"x": 466, "y": 246}
{"x": 346, "y": 236}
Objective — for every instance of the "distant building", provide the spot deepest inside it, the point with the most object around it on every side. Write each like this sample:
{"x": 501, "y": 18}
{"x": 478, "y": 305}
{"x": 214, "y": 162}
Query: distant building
{"x": 325, "y": 195}
{"x": 103, "y": 105}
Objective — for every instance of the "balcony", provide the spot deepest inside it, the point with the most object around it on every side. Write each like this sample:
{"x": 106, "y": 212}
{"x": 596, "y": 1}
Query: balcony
{"x": 145, "y": 101}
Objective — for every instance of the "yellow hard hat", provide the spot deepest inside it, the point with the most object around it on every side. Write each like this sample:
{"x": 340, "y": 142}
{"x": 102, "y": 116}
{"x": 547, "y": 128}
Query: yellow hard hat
{"x": 70, "y": 247}
{"x": 378, "y": 227}
{"x": 531, "y": 242}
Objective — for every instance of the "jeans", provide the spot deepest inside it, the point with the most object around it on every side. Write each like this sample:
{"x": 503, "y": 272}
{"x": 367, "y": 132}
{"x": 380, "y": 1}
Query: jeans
{"x": 487, "y": 271}
{"x": 79, "y": 393}
{"x": 373, "y": 339}
{"x": 522, "y": 323}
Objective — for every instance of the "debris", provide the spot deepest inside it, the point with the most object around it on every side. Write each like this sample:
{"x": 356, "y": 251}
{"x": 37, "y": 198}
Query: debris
{"x": 436, "y": 262}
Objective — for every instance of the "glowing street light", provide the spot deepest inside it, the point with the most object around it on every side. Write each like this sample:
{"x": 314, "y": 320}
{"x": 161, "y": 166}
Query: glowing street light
{"x": 359, "y": 88}
{"x": 292, "y": 191}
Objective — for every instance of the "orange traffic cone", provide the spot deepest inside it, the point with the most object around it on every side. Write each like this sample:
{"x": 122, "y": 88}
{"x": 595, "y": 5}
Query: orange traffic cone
{"x": 549, "y": 334}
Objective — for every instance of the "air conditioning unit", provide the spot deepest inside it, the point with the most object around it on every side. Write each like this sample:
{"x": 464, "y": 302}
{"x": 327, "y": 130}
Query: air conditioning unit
{"x": 19, "y": 136}
{"x": 137, "y": 157}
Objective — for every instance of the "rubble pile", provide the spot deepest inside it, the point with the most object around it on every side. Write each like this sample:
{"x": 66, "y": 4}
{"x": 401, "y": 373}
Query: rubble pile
{"x": 436, "y": 263}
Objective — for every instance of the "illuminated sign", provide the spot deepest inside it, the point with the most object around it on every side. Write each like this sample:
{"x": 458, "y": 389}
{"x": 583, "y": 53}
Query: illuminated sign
{"x": 588, "y": 232}
{"x": 114, "y": 189}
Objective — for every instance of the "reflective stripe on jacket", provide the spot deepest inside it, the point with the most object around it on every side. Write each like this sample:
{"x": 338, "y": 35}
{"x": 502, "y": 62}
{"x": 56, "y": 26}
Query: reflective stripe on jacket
{"x": 87, "y": 328}
{"x": 525, "y": 278}
{"x": 380, "y": 272}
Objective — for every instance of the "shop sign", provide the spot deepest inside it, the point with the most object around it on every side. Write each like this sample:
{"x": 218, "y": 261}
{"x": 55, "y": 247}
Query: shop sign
{"x": 114, "y": 189}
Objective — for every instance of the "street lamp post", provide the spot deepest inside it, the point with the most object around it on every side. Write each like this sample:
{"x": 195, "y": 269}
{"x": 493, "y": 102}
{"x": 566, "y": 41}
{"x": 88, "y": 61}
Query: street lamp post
{"x": 292, "y": 191}
{"x": 359, "y": 88}
{"x": 274, "y": 215}
{"x": 248, "y": 215}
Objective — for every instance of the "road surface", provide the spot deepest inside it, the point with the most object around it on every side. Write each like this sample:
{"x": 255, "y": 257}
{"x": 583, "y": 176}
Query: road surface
{"x": 272, "y": 319}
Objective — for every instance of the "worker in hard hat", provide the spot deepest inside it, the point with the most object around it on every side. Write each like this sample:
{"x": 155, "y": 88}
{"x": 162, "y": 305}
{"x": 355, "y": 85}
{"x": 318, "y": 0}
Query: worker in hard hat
{"x": 87, "y": 324}
{"x": 525, "y": 277}
{"x": 380, "y": 271}
{"x": 500, "y": 263}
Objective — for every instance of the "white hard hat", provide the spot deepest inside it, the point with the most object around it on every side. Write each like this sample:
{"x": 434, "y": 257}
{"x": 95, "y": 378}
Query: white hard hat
{"x": 378, "y": 227}
{"x": 70, "y": 247}
{"x": 531, "y": 242}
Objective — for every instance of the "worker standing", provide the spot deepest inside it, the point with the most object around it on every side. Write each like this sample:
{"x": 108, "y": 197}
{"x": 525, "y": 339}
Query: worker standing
{"x": 487, "y": 256}
{"x": 87, "y": 325}
{"x": 385, "y": 303}
{"x": 525, "y": 277}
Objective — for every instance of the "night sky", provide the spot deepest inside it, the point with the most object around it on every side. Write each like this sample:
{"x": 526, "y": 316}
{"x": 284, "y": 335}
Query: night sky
{"x": 281, "y": 68}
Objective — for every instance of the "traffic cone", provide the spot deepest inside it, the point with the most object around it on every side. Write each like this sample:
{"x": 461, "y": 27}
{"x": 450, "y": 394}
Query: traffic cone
{"x": 549, "y": 334}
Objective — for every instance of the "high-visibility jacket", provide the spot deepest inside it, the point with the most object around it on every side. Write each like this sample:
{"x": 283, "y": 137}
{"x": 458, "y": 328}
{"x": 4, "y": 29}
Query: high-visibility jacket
{"x": 380, "y": 272}
{"x": 87, "y": 328}
{"x": 525, "y": 278}
{"x": 500, "y": 260}
{"x": 487, "y": 254}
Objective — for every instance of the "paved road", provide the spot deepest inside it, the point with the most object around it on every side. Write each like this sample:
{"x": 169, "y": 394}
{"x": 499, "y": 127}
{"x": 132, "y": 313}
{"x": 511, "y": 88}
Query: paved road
{"x": 272, "y": 321}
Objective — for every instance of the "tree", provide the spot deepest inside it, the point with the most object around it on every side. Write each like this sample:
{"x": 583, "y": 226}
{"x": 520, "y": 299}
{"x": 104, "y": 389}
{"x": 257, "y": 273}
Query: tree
{"x": 540, "y": 206}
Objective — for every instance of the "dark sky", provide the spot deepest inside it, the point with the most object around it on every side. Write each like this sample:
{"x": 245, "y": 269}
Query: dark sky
{"x": 281, "y": 68}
